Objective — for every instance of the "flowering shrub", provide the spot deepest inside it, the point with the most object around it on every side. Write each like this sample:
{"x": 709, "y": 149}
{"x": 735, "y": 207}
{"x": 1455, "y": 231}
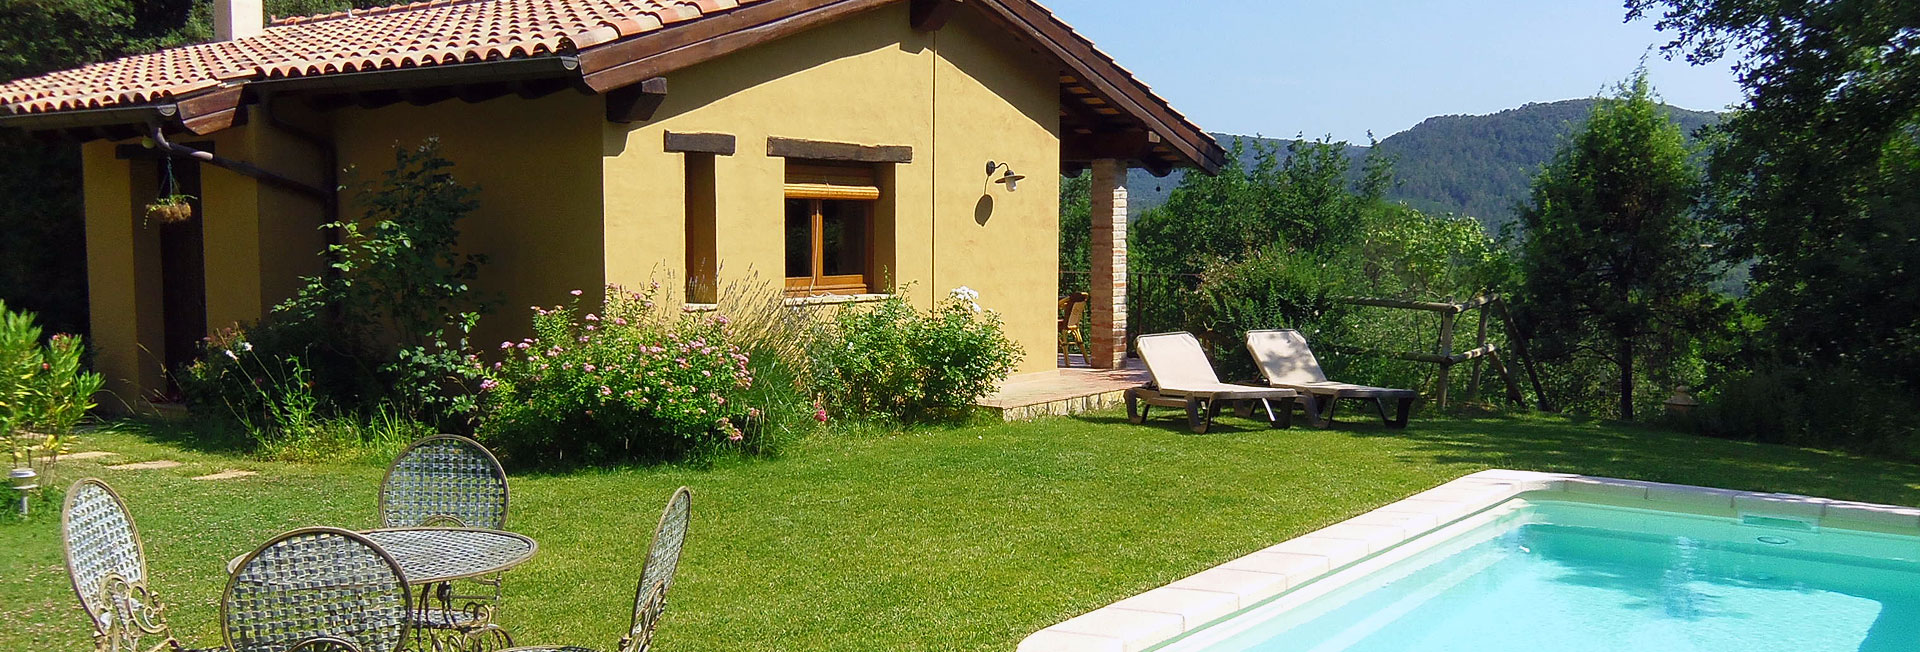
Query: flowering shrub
{"x": 43, "y": 388}
{"x": 630, "y": 381}
{"x": 891, "y": 360}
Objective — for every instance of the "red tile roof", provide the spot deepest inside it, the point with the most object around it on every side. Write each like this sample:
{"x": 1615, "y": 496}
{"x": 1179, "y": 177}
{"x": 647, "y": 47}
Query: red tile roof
{"x": 403, "y": 36}
{"x": 619, "y": 42}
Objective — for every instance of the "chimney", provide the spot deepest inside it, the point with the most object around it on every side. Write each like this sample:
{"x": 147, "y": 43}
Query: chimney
{"x": 233, "y": 19}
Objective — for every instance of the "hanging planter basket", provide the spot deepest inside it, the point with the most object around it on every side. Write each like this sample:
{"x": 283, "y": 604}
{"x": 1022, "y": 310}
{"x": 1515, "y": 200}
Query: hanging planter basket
{"x": 172, "y": 209}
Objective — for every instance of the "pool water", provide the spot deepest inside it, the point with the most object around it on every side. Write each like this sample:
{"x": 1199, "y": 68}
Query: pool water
{"x": 1573, "y": 577}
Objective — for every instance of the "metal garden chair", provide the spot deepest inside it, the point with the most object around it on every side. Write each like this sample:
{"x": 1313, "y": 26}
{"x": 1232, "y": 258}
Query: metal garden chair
{"x": 448, "y": 480}
{"x": 108, "y": 566}
{"x": 445, "y": 480}
{"x": 656, "y": 576}
{"x": 316, "y": 589}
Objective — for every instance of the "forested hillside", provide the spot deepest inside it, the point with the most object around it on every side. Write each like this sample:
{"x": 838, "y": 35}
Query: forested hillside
{"x": 1478, "y": 165}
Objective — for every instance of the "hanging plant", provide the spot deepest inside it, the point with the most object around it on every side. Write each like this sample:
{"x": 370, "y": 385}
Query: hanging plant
{"x": 173, "y": 207}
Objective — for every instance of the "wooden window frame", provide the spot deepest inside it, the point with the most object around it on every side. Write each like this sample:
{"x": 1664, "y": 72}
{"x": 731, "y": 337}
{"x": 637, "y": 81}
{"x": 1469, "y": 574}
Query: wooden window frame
{"x": 817, "y": 184}
{"x": 820, "y": 282}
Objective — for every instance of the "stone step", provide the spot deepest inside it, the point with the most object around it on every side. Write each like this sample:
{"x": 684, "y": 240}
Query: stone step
{"x": 145, "y": 466}
{"x": 228, "y": 474}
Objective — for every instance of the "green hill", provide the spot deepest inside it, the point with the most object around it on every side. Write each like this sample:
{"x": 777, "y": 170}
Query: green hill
{"x": 1479, "y": 165}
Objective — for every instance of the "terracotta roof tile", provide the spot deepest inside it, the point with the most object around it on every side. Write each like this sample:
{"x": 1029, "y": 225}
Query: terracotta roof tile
{"x": 429, "y": 33}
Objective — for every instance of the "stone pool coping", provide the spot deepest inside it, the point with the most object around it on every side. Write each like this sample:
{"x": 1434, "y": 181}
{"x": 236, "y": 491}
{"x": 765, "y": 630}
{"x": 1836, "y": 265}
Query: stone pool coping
{"x": 1163, "y": 614}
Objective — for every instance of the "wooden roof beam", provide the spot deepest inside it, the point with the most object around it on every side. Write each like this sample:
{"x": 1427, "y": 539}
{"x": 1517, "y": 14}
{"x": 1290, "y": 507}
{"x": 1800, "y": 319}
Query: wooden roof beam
{"x": 931, "y": 15}
{"x": 636, "y": 103}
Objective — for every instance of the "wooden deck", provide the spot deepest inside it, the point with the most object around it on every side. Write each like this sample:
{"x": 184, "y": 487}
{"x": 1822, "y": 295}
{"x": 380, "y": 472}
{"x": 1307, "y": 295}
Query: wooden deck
{"x": 1064, "y": 391}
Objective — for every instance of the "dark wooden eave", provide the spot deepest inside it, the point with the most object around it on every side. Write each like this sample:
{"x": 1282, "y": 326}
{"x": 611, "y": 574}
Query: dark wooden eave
{"x": 1098, "y": 97}
{"x": 654, "y": 54}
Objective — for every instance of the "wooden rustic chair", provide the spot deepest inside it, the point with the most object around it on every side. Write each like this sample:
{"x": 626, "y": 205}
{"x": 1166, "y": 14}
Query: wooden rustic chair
{"x": 1182, "y": 377}
{"x": 1073, "y": 309}
{"x": 316, "y": 589}
{"x": 108, "y": 567}
{"x": 448, "y": 480}
{"x": 656, "y": 576}
{"x": 1287, "y": 361}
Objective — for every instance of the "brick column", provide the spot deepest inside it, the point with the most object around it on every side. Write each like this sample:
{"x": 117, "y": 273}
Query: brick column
{"x": 1109, "y": 253}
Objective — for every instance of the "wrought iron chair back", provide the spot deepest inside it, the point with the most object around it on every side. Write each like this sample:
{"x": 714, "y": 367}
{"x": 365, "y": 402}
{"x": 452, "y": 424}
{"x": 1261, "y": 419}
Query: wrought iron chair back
{"x": 445, "y": 480}
{"x": 316, "y": 589}
{"x": 663, "y": 559}
{"x": 108, "y": 568}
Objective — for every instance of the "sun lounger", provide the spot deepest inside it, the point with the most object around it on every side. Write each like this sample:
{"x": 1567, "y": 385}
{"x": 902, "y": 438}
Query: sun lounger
{"x": 1183, "y": 378}
{"x": 1287, "y": 361}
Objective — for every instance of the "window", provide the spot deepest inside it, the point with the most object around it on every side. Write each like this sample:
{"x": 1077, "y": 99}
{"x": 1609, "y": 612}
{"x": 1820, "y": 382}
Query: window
{"x": 829, "y": 229}
{"x": 703, "y": 250}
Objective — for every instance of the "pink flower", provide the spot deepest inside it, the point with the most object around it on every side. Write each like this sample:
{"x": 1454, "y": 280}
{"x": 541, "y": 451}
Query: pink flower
{"x": 820, "y": 416}
{"x": 605, "y": 390}
{"x": 620, "y": 320}
{"x": 753, "y": 413}
{"x": 524, "y": 345}
{"x": 576, "y": 293}
{"x": 506, "y": 345}
{"x": 588, "y": 367}
{"x": 592, "y": 317}
{"x": 488, "y": 385}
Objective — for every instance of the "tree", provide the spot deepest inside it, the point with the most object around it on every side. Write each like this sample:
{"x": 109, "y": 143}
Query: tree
{"x": 1815, "y": 179}
{"x": 1076, "y": 233}
{"x": 1612, "y": 251}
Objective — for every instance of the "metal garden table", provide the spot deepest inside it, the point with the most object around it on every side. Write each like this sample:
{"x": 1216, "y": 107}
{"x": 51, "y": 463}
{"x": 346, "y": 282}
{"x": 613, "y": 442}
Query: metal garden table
{"x": 432, "y": 559}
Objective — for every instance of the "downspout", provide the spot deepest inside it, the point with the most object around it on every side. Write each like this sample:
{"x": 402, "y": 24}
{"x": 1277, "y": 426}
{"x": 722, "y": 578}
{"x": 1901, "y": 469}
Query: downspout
{"x": 329, "y": 176}
{"x": 243, "y": 168}
{"x": 329, "y": 161}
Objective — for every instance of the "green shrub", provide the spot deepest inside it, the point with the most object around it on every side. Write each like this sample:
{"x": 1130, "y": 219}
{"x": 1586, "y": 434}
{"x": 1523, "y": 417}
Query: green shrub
{"x": 386, "y": 329}
{"x": 890, "y": 360}
{"x": 270, "y": 403}
{"x": 43, "y": 388}
{"x": 630, "y": 381}
{"x": 1830, "y": 407}
{"x": 1271, "y": 289}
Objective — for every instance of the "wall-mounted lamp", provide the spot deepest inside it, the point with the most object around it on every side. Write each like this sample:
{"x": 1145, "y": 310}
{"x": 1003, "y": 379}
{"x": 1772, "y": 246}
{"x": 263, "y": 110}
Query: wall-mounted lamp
{"x": 1011, "y": 178}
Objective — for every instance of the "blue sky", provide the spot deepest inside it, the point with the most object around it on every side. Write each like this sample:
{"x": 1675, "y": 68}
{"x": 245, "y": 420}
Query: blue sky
{"x": 1343, "y": 67}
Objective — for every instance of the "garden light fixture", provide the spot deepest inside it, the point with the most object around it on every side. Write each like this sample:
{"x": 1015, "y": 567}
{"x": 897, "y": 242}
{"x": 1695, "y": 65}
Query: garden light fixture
{"x": 1011, "y": 178}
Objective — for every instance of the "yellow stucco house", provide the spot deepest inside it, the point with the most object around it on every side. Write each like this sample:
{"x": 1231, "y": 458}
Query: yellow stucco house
{"x": 849, "y": 147}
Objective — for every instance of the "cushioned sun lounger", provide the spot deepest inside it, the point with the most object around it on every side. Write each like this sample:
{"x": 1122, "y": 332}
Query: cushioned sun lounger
{"x": 1182, "y": 377}
{"x": 1287, "y": 361}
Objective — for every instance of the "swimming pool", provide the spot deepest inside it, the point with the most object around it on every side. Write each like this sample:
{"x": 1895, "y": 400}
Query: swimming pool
{"x": 1506, "y": 561}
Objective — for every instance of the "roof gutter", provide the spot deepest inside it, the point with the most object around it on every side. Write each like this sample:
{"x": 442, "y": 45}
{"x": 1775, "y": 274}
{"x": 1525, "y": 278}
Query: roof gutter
{"x": 229, "y": 97}
{"x": 119, "y": 115}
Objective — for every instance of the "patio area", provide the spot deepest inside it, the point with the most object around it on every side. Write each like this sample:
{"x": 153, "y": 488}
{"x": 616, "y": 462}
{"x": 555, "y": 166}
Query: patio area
{"x": 1072, "y": 388}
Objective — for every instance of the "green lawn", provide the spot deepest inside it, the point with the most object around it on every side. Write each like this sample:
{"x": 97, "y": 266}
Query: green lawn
{"x": 959, "y": 539}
